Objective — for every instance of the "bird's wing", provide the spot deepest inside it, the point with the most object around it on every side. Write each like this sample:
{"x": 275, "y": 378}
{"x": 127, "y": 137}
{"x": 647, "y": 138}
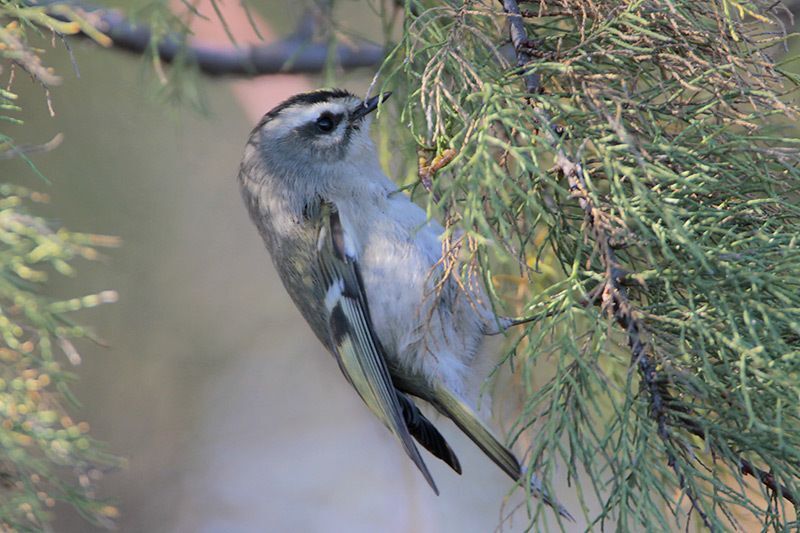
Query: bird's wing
{"x": 355, "y": 344}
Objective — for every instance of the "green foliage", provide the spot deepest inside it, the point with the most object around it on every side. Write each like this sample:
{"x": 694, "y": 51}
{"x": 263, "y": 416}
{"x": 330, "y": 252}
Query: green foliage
{"x": 45, "y": 456}
{"x": 37, "y": 435}
{"x": 657, "y": 170}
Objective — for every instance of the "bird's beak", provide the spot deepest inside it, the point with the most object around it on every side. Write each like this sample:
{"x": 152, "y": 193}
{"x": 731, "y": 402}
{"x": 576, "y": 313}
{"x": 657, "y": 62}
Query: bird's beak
{"x": 368, "y": 106}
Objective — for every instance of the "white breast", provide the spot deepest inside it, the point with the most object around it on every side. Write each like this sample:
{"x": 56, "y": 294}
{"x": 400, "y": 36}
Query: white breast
{"x": 398, "y": 252}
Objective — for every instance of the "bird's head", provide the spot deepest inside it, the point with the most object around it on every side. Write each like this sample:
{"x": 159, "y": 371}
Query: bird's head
{"x": 317, "y": 128}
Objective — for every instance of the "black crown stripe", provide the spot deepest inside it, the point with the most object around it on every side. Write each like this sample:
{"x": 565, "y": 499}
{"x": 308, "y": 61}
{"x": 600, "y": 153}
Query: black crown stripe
{"x": 309, "y": 98}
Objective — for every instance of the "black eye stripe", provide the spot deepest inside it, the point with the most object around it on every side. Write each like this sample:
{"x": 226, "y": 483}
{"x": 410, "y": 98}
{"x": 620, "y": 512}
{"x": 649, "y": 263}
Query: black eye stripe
{"x": 328, "y": 121}
{"x": 325, "y": 124}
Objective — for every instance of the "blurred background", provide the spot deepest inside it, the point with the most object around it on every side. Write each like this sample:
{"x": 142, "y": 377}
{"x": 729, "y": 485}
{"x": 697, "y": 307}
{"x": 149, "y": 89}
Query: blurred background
{"x": 230, "y": 414}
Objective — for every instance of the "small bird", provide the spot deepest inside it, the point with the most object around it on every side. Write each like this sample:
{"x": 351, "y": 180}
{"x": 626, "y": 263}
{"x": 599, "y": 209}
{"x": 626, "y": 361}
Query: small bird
{"x": 363, "y": 264}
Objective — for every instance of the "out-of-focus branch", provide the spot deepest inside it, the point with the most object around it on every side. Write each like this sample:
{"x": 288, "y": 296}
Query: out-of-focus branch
{"x": 792, "y": 11}
{"x": 10, "y": 151}
{"x": 294, "y": 55}
{"x": 29, "y": 61}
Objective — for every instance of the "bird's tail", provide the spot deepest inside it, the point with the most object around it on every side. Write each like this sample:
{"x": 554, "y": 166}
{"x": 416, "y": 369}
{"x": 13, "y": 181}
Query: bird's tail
{"x": 469, "y": 422}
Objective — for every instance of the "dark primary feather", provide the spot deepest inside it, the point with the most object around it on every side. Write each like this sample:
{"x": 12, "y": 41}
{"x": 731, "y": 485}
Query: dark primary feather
{"x": 426, "y": 433}
{"x": 355, "y": 345}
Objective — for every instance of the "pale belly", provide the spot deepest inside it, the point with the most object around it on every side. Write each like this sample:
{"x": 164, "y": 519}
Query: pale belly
{"x": 427, "y": 331}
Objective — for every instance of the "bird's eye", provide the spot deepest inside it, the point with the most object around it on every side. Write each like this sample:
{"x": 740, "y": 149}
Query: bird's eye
{"x": 325, "y": 123}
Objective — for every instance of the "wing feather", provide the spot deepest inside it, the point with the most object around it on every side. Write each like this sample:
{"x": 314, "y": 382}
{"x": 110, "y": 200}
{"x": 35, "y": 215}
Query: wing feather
{"x": 357, "y": 349}
{"x": 426, "y": 433}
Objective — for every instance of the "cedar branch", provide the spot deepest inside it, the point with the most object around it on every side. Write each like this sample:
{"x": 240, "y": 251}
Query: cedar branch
{"x": 615, "y": 295}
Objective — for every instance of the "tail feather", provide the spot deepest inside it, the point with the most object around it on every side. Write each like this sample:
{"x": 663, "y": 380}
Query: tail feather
{"x": 469, "y": 422}
{"x": 426, "y": 434}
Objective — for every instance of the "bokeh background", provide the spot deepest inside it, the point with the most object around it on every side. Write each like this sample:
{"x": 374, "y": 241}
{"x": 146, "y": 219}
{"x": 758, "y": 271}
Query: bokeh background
{"x": 229, "y": 413}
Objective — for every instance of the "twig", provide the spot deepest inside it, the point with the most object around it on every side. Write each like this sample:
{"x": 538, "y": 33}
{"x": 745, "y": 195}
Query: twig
{"x": 747, "y": 468}
{"x": 428, "y": 169}
{"x": 767, "y": 479}
{"x": 615, "y": 295}
{"x": 29, "y": 149}
{"x": 26, "y": 59}
{"x": 519, "y": 38}
{"x": 294, "y": 55}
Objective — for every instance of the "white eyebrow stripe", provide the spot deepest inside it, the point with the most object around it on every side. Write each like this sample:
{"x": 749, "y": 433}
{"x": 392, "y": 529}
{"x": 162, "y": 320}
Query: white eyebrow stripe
{"x": 298, "y": 115}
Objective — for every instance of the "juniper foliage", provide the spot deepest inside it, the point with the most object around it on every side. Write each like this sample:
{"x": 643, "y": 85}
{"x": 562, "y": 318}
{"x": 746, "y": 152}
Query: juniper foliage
{"x": 646, "y": 150}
